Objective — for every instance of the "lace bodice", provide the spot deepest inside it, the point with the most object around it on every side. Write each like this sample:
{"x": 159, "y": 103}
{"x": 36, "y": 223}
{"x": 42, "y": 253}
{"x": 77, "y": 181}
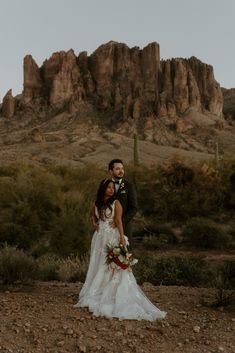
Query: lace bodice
{"x": 108, "y": 214}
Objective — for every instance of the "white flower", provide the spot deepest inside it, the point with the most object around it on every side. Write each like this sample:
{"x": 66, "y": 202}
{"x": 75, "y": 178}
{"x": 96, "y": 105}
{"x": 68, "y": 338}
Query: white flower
{"x": 134, "y": 261}
{"x": 121, "y": 258}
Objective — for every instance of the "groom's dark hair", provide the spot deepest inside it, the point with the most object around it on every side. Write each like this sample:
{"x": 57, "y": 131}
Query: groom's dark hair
{"x": 111, "y": 163}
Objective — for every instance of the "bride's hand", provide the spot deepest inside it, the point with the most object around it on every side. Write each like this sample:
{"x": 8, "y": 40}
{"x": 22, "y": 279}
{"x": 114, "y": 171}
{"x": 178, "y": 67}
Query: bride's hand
{"x": 122, "y": 241}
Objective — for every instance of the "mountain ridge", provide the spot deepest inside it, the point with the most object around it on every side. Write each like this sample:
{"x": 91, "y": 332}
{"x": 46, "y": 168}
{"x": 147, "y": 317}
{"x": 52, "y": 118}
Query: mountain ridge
{"x": 119, "y": 90}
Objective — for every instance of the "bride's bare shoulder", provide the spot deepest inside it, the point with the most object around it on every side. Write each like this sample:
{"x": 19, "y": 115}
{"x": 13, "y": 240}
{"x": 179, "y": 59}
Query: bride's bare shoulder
{"x": 117, "y": 204}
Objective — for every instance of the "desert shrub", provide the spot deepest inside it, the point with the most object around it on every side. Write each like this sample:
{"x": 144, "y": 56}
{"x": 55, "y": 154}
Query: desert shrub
{"x": 202, "y": 233}
{"x": 154, "y": 228}
{"x": 232, "y": 180}
{"x": 144, "y": 270}
{"x": 153, "y": 242}
{"x": 48, "y": 266}
{"x": 71, "y": 229}
{"x": 42, "y": 203}
{"x": 86, "y": 179}
{"x": 232, "y": 233}
{"x": 224, "y": 283}
{"x": 8, "y": 170}
{"x": 230, "y": 192}
{"x": 47, "y": 208}
{"x": 177, "y": 175}
{"x": 27, "y": 205}
{"x": 177, "y": 192}
{"x": 161, "y": 241}
{"x": 174, "y": 270}
{"x": 21, "y": 228}
{"x": 39, "y": 189}
{"x": 227, "y": 273}
{"x": 70, "y": 269}
{"x": 41, "y": 247}
{"x": 73, "y": 269}
{"x": 7, "y": 192}
{"x": 154, "y": 235}
{"x": 16, "y": 265}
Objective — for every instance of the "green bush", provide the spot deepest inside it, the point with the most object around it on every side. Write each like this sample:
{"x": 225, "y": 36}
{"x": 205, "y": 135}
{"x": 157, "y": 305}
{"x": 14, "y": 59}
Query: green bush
{"x": 157, "y": 236}
{"x": 70, "y": 269}
{"x": 174, "y": 270}
{"x": 144, "y": 270}
{"x": 73, "y": 269}
{"x": 232, "y": 233}
{"x": 227, "y": 274}
{"x": 71, "y": 229}
{"x": 8, "y": 171}
{"x": 176, "y": 192}
{"x": 45, "y": 209}
{"x": 16, "y": 265}
{"x": 177, "y": 175}
{"x": 202, "y": 233}
{"x": 48, "y": 208}
{"x": 27, "y": 204}
{"x": 21, "y": 227}
{"x": 224, "y": 283}
{"x": 48, "y": 266}
{"x": 153, "y": 242}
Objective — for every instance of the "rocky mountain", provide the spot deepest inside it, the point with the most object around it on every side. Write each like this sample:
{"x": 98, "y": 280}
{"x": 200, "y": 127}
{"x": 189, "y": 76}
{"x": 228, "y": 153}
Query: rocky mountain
{"x": 229, "y": 104}
{"x": 85, "y": 102}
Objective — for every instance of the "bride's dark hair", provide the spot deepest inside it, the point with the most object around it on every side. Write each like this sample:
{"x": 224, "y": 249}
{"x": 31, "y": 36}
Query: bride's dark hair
{"x": 100, "y": 203}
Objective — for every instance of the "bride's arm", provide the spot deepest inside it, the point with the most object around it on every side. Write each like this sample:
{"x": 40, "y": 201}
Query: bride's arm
{"x": 118, "y": 221}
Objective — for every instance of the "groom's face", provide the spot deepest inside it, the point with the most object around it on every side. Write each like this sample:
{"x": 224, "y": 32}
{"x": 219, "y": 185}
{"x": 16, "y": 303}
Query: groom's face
{"x": 118, "y": 171}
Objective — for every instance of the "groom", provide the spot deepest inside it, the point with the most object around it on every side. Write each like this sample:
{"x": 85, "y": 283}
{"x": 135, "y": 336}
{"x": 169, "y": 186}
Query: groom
{"x": 126, "y": 194}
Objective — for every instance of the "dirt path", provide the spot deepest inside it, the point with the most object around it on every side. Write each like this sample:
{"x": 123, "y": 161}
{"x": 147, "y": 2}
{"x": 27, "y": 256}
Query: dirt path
{"x": 43, "y": 320}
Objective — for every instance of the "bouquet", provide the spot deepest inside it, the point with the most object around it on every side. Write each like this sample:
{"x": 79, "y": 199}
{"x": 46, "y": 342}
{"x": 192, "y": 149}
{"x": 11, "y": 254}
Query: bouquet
{"x": 119, "y": 257}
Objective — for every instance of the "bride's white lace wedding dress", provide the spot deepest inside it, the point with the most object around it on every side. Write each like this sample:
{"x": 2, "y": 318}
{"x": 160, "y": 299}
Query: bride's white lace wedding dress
{"x": 113, "y": 293}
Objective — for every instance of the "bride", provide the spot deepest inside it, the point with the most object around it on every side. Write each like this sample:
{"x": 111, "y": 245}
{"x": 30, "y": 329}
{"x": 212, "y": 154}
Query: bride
{"x": 112, "y": 292}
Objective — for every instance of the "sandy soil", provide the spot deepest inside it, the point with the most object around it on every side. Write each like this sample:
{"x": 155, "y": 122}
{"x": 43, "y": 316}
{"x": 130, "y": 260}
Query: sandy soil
{"x": 42, "y": 319}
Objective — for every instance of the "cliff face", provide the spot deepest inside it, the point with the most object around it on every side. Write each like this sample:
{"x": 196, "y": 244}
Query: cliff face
{"x": 132, "y": 80}
{"x": 8, "y": 105}
{"x": 119, "y": 90}
{"x": 32, "y": 80}
{"x": 189, "y": 84}
{"x": 229, "y": 104}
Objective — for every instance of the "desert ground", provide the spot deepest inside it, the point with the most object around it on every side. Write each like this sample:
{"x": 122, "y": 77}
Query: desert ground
{"x": 41, "y": 318}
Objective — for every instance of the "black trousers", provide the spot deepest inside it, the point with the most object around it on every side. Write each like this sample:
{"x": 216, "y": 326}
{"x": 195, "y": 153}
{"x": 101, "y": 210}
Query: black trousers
{"x": 128, "y": 232}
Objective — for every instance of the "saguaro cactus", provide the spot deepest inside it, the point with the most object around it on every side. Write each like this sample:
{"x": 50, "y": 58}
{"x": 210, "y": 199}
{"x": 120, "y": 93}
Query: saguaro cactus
{"x": 216, "y": 155}
{"x": 136, "y": 151}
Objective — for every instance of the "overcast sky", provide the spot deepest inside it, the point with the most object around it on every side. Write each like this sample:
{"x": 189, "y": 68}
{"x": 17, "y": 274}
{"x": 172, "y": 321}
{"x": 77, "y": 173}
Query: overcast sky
{"x": 183, "y": 28}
